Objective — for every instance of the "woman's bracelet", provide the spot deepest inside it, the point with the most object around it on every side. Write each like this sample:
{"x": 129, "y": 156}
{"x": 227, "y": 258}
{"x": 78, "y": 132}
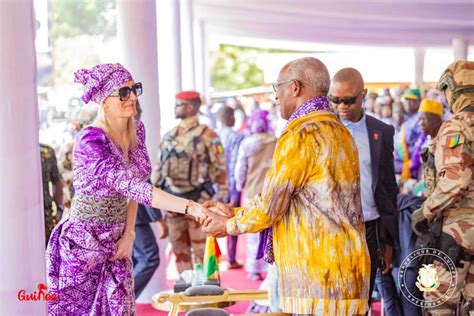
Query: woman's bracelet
{"x": 188, "y": 205}
{"x": 131, "y": 232}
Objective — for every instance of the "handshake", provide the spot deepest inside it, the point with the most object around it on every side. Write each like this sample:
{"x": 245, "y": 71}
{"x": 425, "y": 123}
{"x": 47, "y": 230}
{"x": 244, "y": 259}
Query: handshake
{"x": 213, "y": 215}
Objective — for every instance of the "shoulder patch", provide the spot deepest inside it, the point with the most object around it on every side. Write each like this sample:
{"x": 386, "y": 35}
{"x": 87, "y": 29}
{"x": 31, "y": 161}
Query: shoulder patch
{"x": 220, "y": 149}
{"x": 453, "y": 140}
{"x": 218, "y": 145}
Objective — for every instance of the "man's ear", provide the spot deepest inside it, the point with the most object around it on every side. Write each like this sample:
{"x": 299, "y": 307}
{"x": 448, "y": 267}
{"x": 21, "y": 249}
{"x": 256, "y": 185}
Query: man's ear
{"x": 364, "y": 94}
{"x": 296, "y": 88}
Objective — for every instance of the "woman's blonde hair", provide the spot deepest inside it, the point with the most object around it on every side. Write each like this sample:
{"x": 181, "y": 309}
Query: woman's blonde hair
{"x": 103, "y": 123}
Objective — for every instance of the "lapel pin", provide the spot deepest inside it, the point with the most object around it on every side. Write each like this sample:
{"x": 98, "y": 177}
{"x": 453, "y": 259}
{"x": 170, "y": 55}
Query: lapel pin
{"x": 376, "y": 136}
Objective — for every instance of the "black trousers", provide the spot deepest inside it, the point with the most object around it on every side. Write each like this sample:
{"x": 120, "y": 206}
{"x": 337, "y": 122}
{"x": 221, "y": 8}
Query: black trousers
{"x": 387, "y": 286}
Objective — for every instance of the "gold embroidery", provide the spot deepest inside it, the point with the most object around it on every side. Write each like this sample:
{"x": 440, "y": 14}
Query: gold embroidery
{"x": 109, "y": 210}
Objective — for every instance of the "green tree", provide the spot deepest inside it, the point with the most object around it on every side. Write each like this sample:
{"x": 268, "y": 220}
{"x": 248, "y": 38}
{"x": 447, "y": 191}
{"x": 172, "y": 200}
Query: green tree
{"x": 78, "y": 17}
{"x": 80, "y": 28}
{"x": 234, "y": 67}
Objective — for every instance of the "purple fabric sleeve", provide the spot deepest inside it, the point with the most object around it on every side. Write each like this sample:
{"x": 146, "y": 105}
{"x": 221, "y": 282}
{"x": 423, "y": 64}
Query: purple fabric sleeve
{"x": 100, "y": 168}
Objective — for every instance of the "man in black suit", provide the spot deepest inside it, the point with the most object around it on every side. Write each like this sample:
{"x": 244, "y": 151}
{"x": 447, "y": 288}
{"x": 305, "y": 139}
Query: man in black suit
{"x": 374, "y": 140}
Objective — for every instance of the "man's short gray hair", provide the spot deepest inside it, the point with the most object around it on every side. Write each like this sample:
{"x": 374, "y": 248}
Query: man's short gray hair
{"x": 311, "y": 72}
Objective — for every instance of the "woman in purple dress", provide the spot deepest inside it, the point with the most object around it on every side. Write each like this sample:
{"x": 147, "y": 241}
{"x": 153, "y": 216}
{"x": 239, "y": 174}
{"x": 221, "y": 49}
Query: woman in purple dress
{"x": 88, "y": 258}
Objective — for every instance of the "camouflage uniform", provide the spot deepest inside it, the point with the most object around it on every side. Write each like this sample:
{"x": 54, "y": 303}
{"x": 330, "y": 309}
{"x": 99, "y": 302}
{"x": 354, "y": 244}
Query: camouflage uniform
{"x": 451, "y": 192}
{"x": 190, "y": 162}
{"x": 50, "y": 174}
{"x": 429, "y": 170}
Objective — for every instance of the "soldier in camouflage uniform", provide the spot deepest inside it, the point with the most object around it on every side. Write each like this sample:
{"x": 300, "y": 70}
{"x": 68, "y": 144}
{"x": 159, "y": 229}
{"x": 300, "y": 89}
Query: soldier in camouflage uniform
{"x": 50, "y": 174}
{"x": 451, "y": 183}
{"x": 190, "y": 163}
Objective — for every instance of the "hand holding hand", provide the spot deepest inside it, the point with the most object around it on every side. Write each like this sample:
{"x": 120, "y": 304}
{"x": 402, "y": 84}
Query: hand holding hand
{"x": 197, "y": 211}
{"x": 220, "y": 208}
{"x": 215, "y": 224}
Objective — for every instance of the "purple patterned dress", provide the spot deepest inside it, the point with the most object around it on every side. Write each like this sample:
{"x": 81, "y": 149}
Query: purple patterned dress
{"x": 77, "y": 257}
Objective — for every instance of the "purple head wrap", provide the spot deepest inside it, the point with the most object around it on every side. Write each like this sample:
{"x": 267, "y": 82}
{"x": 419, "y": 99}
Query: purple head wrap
{"x": 258, "y": 122}
{"x": 101, "y": 80}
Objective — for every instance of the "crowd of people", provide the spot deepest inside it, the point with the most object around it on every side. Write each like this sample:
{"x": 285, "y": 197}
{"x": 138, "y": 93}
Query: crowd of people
{"x": 331, "y": 202}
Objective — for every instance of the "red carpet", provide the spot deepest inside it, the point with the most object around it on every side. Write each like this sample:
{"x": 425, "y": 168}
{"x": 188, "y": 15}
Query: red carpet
{"x": 234, "y": 279}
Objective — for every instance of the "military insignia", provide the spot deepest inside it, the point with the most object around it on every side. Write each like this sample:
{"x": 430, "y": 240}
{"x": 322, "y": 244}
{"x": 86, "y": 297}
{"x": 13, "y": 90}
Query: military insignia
{"x": 453, "y": 140}
{"x": 427, "y": 278}
{"x": 218, "y": 145}
{"x": 219, "y": 148}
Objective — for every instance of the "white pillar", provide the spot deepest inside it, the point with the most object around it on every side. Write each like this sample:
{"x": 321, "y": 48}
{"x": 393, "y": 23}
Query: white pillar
{"x": 169, "y": 59}
{"x": 202, "y": 59}
{"x": 460, "y": 47}
{"x": 137, "y": 35}
{"x": 187, "y": 46}
{"x": 177, "y": 52}
{"x": 22, "y": 236}
{"x": 419, "y": 66}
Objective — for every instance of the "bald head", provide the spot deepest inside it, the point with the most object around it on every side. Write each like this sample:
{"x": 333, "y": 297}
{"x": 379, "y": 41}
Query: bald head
{"x": 347, "y": 93}
{"x": 350, "y": 75}
{"x": 311, "y": 72}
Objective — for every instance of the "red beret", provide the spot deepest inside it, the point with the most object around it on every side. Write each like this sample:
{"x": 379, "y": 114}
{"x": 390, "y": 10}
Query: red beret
{"x": 187, "y": 95}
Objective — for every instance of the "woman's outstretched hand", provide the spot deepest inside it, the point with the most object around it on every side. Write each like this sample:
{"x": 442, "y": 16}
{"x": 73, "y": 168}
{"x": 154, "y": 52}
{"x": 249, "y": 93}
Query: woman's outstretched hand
{"x": 219, "y": 208}
{"x": 197, "y": 211}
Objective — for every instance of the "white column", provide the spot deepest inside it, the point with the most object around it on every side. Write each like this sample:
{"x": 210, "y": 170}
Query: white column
{"x": 137, "y": 35}
{"x": 176, "y": 32}
{"x": 202, "y": 59}
{"x": 22, "y": 236}
{"x": 460, "y": 47}
{"x": 187, "y": 46}
{"x": 169, "y": 59}
{"x": 419, "y": 66}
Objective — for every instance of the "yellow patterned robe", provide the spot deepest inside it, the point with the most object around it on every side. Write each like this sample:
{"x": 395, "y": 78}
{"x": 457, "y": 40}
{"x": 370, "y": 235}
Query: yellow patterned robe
{"x": 311, "y": 198}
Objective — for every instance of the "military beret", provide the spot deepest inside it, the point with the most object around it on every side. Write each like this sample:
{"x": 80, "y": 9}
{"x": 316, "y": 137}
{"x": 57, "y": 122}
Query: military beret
{"x": 187, "y": 95}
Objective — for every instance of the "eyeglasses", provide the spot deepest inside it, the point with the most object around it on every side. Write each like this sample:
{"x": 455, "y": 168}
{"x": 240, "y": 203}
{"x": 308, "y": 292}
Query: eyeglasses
{"x": 345, "y": 100}
{"x": 124, "y": 92}
{"x": 276, "y": 85}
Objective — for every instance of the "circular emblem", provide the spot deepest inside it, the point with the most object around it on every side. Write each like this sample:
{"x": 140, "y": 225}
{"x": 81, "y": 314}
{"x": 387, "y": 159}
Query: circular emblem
{"x": 425, "y": 277}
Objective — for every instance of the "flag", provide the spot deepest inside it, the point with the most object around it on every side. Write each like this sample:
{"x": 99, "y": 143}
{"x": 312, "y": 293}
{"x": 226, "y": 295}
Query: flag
{"x": 452, "y": 140}
{"x": 211, "y": 258}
